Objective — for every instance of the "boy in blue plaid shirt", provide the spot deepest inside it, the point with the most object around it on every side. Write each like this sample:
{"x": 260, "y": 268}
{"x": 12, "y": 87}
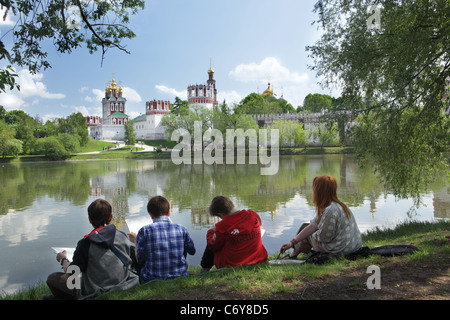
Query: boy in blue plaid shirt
{"x": 162, "y": 246}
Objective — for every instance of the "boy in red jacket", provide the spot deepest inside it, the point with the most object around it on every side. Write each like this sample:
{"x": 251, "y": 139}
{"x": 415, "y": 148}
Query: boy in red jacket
{"x": 235, "y": 240}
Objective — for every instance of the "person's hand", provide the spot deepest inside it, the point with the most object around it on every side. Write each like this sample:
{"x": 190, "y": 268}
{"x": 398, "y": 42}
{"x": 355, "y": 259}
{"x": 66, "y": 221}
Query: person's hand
{"x": 132, "y": 237}
{"x": 61, "y": 255}
{"x": 285, "y": 247}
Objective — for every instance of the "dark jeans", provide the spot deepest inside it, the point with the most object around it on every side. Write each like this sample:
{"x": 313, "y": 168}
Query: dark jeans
{"x": 57, "y": 282}
{"x": 207, "y": 259}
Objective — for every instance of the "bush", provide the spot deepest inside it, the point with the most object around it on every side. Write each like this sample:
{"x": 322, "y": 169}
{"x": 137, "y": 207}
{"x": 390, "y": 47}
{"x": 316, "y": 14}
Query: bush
{"x": 71, "y": 143}
{"x": 52, "y": 148}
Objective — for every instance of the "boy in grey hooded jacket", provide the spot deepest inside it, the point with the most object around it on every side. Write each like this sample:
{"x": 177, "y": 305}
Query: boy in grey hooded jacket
{"x": 101, "y": 269}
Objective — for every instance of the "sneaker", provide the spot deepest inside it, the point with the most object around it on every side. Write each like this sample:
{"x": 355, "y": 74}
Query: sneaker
{"x": 204, "y": 270}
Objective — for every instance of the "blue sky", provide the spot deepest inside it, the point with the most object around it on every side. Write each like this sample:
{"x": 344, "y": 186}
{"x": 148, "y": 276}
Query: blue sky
{"x": 248, "y": 42}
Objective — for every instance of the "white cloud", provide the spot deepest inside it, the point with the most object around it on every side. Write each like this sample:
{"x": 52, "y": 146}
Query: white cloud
{"x": 172, "y": 91}
{"x": 31, "y": 85}
{"x": 83, "y": 109}
{"x": 131, "y": 95}
{"x": 133, "y": 115}
{"x": 7, "y": 21}
{"x": 84, "y": 89}
{"x": 98, "y": 95}
{"x": 51, "y": 117}
{"x": 230, "y": 97}
{"x": 11, "y": 101}
{"x": 292, "y": 85}
{"x": 268, "y": 68}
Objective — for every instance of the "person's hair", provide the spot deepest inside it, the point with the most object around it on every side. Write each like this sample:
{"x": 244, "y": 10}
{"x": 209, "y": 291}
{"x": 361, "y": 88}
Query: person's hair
{"x": 100, "y": 213}
{"x": 220, "y": 204}
{"x": 324, "y": 192}
{"x": 158, "y": 206}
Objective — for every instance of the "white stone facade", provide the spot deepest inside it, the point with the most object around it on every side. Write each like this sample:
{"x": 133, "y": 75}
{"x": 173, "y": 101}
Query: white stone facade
{"x": 148, "y": 126}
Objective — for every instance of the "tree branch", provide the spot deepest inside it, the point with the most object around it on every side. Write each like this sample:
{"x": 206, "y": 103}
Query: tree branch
{"x": 105, "y": 44}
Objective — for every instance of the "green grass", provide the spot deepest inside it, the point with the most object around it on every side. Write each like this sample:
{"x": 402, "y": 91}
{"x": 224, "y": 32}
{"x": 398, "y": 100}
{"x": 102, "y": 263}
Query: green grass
{"x": 124, "y": 153}
{"x": 316, "y": 150}
{"x": 94, "y": 145}
{"x": 163, "y": 143}
{"x": 263, "y": 281}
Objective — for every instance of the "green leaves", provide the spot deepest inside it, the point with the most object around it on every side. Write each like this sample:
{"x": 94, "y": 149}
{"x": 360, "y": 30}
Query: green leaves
{"x": 403, "y": 68}
{"x": 69, "y": 24}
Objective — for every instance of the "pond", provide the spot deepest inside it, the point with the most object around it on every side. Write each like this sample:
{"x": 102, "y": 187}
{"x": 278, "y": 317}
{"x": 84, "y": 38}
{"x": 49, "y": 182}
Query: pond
{"x": 44, "y": 205}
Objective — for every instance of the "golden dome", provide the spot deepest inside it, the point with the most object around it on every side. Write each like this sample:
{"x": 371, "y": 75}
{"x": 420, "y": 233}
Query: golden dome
{"x": 210, "y": 71}
{"x": 268, "y": 92}
{"x": 113, "y": 84}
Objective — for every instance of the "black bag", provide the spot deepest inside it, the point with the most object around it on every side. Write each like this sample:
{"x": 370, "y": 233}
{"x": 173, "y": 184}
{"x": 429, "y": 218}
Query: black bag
{"x": 385, "y": 251}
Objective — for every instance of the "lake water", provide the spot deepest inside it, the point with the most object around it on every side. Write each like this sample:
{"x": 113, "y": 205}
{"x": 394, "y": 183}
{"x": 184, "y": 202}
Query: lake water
{"x": 44, "y": 205}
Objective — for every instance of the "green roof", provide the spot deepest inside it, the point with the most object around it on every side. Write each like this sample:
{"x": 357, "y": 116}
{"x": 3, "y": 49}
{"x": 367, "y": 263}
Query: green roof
{"x": 118, "y": 114}
{"x": 142, "y": 117}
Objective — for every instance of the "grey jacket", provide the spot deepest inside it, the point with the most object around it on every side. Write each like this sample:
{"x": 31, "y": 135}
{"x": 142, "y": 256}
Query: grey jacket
{"x": 101, "y": 269}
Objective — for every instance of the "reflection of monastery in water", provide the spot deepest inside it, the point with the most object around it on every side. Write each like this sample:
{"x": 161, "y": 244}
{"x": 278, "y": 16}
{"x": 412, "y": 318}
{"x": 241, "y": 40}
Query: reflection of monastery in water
{"x": 128, "y": 186}
{"x": 116, "y": 194}
{"x": 146, "y": 179}
{"x": 200, "y": 218}
{"x": 441, "y": 203}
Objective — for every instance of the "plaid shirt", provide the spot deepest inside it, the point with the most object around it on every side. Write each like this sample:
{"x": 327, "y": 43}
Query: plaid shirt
{"x": 161, "y": 247}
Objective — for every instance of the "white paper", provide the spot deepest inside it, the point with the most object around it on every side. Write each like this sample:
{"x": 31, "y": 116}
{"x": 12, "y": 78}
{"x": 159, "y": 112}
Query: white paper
{"x": 134, "y": 223}
{"x": 262, "y": 232}
{"x": 69, "y": 251}
{"x": 287, "y": 261}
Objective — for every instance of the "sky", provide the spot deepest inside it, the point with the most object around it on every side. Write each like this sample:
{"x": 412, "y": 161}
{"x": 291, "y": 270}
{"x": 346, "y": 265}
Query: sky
{"x": 247, "y": 43}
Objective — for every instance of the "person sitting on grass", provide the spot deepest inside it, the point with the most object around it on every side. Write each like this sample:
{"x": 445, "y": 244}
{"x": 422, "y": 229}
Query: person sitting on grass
{"x": 101, "y": 269}
{"x": 235, "y": 240}
{"x": 333, "y": 229}
{"x": 162, "y": 246}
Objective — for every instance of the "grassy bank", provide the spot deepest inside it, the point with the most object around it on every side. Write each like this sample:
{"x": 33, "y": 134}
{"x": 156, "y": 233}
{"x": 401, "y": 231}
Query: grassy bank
{"x": 338, "y": 279}
{"x": 126, "y": 154}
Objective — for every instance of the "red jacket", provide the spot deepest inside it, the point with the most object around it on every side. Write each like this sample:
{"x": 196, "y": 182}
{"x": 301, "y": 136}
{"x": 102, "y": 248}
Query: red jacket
{"x": 236, "y": 240}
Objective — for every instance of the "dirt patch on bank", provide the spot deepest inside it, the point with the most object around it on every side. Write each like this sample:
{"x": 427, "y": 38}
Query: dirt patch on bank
{"x": 400, "y": 278}
{"x": 399, "y": 281}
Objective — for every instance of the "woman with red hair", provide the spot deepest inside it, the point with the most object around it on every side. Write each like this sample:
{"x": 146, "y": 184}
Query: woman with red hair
{"x": 333, "y": 228}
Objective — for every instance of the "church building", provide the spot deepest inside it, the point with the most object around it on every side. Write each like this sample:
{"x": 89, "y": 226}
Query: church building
{"x": 111, "y": 125}
{"x": 203, "y": 94}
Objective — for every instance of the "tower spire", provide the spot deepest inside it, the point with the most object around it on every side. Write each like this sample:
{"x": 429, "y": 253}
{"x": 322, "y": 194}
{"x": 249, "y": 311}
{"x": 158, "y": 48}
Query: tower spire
{"x": 210, "y": 71}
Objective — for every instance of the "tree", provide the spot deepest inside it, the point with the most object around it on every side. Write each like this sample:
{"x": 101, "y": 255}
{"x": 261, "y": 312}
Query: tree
{"x": 23, "y": 126}
{"x": 78, "y": 126}
{"x": 251, "y": 104}
{"x": 70, "y": 142}
{"x": 9, "y": 146}
{"x": 340, "y": 113}
{"x": 256, "y": 104}
{"x": 180, "y": 107}
{"x": 291, "y": 133}
{"x": 130, "y": 135}
{"x": 327, "y": 135}
{"x": 317, "y": 102}
{"x": 401, "y": 68}
{"x": 68, "y": 23}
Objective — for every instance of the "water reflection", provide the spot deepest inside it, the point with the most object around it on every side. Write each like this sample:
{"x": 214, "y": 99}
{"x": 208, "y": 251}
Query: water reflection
{"x": 45, "y": 204}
